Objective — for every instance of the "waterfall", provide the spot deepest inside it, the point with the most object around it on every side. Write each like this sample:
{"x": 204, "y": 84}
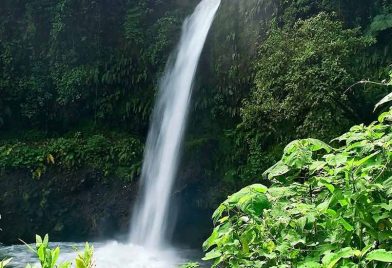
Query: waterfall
{"x": 149, "y": 221}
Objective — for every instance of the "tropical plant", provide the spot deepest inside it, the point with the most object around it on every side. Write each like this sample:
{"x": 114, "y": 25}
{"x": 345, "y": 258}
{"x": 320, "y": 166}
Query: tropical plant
{"x": 387, "y": 98}
{"x": 85, "y": 259}
{"x": 190, "y": 265}
{"x": 5, "y": 262}
{"x": 48, "y": 258}
{"x": 328, "y": 206}
{"x": 113, "y": 155}
{"x": 301, "y": 75}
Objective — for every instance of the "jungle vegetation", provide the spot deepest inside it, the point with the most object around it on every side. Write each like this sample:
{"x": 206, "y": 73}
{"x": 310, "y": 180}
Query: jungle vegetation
{"x": 327, "y": 206}
{"x": 78, "y": 81}
{"x": 279, "y": 71}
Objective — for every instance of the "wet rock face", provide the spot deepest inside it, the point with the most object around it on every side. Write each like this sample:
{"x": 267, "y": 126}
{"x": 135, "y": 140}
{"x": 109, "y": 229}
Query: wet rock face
{"x": 70, "y": 207}
{"x": 85, "y": 206}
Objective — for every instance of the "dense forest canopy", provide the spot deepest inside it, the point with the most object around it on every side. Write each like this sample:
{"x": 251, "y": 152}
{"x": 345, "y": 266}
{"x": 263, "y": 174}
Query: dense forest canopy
{"x": 67, "y": 62}
{"x": 79, "y": 78}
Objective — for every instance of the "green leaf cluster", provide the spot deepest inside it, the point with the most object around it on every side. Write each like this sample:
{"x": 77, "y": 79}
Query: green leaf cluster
{"x": 381, "y": 23}
{"x": 5, "y": 263}
{"x": 328, "y": 206}
{"x": 301, "y": 75}
{"x": 388, "y": 97}
{"x": 64, "y": 62}
{"x": 190, "y": 265}
{"x": 48, "y": 257}
{"x": 112, "y": 154}
{"x": 85, "y": 259}
{"x": 302, "y": 72}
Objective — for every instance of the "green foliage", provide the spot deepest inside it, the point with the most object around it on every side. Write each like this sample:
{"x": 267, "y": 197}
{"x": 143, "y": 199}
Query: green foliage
{"x": 190, "y": 265}
{"x": 327, "y": 207}
{"x": 85, "y": 259}
{"x": 380, "y": 23}
{"x": 276, "y": 68}
{"x": 387, "y": 98}
{"x": 48, "y": 258}
{"x": 5, "y": 262}
{"x": 228, "y": 237}
{"x": 67, "y": 62}
{"x": 234, "y": 46}
{"x": 380, "y": 27}
{"x": 301, "y": 75}
{"x": 132, "y": 26}
{"x": 113, "y": 155}
{"x": 353, "y": 13}
{"x": 302, "y": 72}
{"x": 72, "y": 85}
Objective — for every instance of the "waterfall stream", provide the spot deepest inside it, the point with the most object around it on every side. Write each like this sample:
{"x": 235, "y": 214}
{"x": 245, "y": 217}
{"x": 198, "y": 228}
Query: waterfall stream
{"x": 150, "y": 221}
{"x": 147, "y": 246}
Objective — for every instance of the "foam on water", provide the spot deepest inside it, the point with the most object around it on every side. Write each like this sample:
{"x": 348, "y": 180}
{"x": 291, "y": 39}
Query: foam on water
{"x": 116, "y": 255}
{"x": 148, "y": 246}
{"x": 107, "y": 255}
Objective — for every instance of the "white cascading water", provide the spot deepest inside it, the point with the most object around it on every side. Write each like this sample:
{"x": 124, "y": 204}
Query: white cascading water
{"x": 150, "y": 223}
{"x": 147, "y": 247}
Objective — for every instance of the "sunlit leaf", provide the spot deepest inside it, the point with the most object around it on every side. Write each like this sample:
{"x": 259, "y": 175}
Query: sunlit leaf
{"x": 212, "y": 255}
{"x": 379, "y": 255}
{"x": 384, "y": 100}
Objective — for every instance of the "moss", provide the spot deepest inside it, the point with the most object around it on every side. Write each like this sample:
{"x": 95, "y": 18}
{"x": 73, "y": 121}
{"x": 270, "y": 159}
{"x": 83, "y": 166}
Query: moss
{"x": 111, "y": 154}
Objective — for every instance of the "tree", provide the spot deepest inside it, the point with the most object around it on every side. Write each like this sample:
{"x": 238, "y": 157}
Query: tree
{"x": 301, "y": 77}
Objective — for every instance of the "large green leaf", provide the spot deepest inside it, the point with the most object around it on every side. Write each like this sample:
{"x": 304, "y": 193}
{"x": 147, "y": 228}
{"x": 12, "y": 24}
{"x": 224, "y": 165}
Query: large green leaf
{"x": 379, "y": 255}
{"x": 311, "y": 144}
{"x": 254, "y": 203}
{"x": 380, "y": 23}
{"x": 5, "y": 262}
{"x": 211, "y": 240}
{"x": 278, "y": 169}
{"x": 384, "y": 100}
{"x": 55, "y": 255}
{"x": 331, "y": 259}
{"x": 334, "y": 204}
{"x": 212, "y": 255}
{"x": 218, "y": 212}
{"x": 310, "y": 264}
{"x": 249, "y": 190}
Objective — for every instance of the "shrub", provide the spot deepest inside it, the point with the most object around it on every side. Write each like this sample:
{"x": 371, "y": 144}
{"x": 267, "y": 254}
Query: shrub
{"x": 328, "y": 206}
{"x": 301, "y": 75}
{"x": 4, "y": 263}
{"x": 48, "y": 258}
{"x": 116, "y": 155}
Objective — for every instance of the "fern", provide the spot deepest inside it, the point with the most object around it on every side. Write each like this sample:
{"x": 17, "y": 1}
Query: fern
{"x": 380, "y": 23}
